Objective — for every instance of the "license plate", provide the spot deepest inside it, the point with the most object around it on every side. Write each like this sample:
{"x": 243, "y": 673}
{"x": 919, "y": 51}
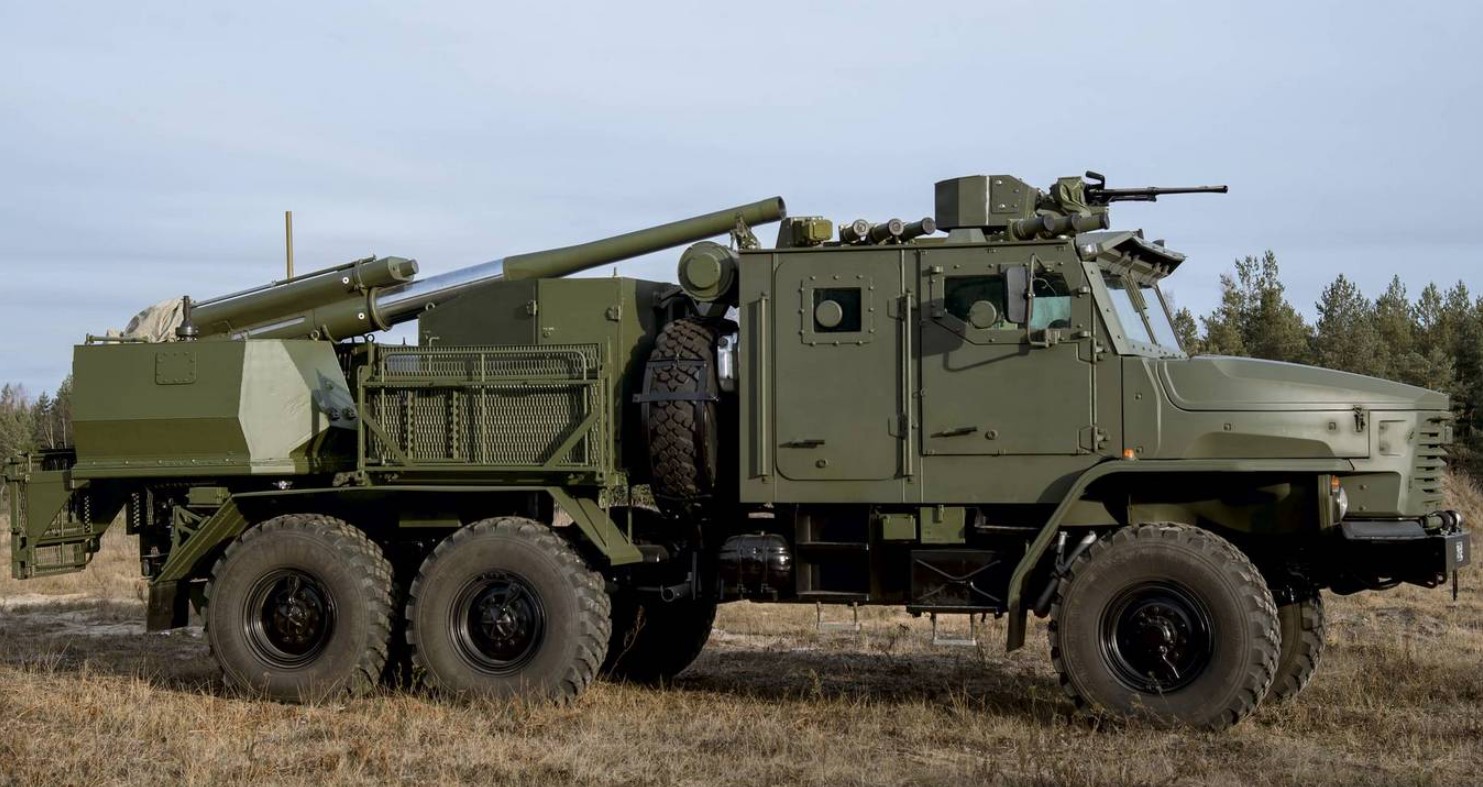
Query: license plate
{"x": 1458, "y": 548}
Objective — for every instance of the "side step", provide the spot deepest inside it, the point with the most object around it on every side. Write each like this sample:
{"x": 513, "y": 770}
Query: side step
{"x": 956, "y": 641}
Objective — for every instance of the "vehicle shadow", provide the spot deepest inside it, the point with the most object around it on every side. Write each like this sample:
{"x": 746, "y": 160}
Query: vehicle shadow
{"x": 976, "y": 680}
{"x": 107, "y": 638}
{"x": 66, "y": 634}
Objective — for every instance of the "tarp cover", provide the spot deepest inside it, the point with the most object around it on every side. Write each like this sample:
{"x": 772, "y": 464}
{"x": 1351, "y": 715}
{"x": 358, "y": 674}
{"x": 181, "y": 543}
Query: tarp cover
{"x": 156, "y": 323}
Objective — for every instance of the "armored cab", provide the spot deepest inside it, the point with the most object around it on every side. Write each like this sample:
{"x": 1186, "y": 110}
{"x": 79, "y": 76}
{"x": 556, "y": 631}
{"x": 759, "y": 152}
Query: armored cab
{"x": 985, "y": 411}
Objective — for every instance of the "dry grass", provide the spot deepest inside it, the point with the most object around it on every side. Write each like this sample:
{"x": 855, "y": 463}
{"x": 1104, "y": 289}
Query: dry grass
{"x": 87, "y": 697}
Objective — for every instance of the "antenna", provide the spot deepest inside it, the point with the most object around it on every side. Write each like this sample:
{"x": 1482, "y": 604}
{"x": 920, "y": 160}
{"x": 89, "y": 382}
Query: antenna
{"x": 288, "y": 240}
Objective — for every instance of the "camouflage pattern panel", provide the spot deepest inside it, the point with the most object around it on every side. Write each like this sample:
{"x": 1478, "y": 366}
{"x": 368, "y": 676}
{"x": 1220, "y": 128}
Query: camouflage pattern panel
{"x": 211, "y": 408}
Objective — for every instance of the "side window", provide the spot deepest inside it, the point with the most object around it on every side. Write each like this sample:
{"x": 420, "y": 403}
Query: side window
{"x": 837, "y": 310}
{"x": 1052, "y": 302}
{"x": 979, "y": 302}
{"x": 976, "y": 300}
{"x": 841, "y": 312}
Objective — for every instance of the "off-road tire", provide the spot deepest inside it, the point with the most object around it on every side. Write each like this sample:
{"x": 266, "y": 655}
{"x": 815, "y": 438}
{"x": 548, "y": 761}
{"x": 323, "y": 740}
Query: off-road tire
{"x": 560, "y": 662}
{"x": 1302, "y": 624}
{"x": 682, "y": 435}
{"x": 354, "y": 576}
{"x": 653, "y": 641}
{"x": 1244, "y": 638}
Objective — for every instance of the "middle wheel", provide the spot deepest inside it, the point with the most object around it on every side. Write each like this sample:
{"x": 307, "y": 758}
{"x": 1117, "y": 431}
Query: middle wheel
{"x": 504, "y": 607}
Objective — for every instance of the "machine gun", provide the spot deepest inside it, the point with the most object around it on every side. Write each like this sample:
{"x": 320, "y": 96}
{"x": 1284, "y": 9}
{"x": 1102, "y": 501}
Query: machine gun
{"x": 1097, "y": 192}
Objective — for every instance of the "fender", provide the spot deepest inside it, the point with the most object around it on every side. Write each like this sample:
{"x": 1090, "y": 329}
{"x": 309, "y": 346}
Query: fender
{"x": 1015, "y": 638}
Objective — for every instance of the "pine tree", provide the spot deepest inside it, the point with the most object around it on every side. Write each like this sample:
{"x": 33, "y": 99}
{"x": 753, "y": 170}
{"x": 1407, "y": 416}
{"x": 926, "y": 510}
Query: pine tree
{"x": 16, "y": 429}
{"x": 1346, "y": 337}
{"x": 43, "y": 431}
{"x": 1188, "y": 332}
{"x": 1224, "y": 329}
{"x": 1254, "y": 317}
{"x": 1276, "y": 330}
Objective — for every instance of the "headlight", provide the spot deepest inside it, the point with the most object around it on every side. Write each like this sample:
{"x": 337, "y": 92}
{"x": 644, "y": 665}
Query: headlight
{"x": 1341, "y": 501}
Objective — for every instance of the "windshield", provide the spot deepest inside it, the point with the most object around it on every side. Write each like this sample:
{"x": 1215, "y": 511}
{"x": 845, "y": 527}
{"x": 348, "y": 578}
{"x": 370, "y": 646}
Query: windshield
{"x": 1141, "y": 312}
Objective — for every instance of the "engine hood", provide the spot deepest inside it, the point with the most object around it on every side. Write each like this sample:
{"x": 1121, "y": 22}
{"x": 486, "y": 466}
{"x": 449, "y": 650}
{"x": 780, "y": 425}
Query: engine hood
{"x": 1236, "y": 384}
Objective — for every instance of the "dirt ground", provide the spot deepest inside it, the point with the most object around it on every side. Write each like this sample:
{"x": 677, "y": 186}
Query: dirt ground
{"x": 87, "y": 697}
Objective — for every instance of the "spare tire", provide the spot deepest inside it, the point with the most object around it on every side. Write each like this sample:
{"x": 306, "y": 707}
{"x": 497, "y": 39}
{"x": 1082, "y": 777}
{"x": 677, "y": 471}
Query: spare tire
{"x": 681, "y": 405}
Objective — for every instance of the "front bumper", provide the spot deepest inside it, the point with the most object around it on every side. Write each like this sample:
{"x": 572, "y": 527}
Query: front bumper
{"x": 1378, "y": 553}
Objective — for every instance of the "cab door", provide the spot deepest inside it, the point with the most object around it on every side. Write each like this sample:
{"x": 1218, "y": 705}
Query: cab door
{"x": 839, "y": 365}
{"x": 992, "y": 381}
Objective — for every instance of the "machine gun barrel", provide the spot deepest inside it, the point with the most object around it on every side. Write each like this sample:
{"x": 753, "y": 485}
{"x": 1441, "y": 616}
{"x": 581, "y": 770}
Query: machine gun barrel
{"x": 382, "y": 307}
{"x": 1097, "y": 195}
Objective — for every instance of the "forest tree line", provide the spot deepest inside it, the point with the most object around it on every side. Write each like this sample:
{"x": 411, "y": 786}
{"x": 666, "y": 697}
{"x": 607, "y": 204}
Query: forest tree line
{"x": 1434, "y": 340}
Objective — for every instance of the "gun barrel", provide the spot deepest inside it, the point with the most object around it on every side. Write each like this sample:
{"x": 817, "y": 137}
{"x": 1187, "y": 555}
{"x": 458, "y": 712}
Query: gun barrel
{"x": 324, "y": 313}
{"x": 1097, "y": 194}
{"x": 398, "y": 304}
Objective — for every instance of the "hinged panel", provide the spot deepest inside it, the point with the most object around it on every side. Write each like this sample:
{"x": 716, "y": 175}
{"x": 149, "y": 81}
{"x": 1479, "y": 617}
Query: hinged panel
{"x": 990, "y": 386}
{"x": 838, "y": 366}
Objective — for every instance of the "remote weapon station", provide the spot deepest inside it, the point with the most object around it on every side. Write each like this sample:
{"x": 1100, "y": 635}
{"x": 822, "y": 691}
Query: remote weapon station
{"x": 565, "y": 476}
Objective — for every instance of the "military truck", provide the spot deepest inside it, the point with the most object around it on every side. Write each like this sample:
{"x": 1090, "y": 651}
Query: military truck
{"x": 983, "y": 412}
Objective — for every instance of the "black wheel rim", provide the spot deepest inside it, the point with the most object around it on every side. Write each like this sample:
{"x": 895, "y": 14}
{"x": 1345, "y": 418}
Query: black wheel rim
{"x": 1156, "y": 637}
{"x": 498, "y": 622}
{"x": 289, "y": 618}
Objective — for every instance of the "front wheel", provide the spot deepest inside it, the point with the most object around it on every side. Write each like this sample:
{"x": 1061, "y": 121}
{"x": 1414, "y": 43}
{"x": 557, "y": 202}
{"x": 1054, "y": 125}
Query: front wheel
{"x": 1167, "y": 623}
{"x": 503, "y": 608}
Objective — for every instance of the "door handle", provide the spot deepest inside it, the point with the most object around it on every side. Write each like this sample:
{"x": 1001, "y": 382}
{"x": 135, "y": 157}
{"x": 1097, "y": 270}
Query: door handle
{"x": 807, "y": 442}
{"x": 958, "y": 432}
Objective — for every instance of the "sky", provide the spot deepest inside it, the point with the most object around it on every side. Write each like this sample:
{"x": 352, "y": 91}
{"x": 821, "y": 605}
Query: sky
{"x": 148, "y": 150}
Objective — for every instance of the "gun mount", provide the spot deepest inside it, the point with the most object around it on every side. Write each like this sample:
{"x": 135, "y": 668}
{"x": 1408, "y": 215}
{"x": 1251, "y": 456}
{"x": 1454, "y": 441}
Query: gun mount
{"x": 1003, "y": 207}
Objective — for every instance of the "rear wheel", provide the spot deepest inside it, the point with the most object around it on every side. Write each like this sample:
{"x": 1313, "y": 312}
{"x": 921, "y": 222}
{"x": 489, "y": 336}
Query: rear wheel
{"x": 505, "y": 608}
{"x": 1167, "y": 623}
{"x": 653, "y": 641}
{"x": 1302, "y": 623}
{"x": 299, "y": 609}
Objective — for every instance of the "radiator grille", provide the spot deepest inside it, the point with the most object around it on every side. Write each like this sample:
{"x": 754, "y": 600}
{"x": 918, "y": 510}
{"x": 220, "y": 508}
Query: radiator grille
{"x": 1430, "y": 463}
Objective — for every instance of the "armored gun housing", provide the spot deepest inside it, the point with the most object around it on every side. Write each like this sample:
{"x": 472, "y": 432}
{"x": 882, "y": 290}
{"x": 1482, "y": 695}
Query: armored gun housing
{"x": 565, "y": 476}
